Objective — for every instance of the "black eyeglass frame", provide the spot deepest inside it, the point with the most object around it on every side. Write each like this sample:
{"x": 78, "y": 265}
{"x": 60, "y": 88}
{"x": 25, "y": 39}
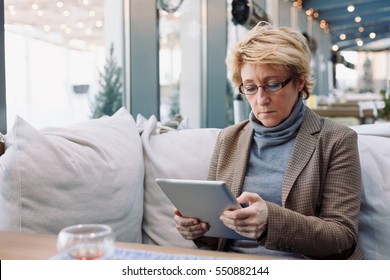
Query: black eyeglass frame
{"x": 284, "y": 83}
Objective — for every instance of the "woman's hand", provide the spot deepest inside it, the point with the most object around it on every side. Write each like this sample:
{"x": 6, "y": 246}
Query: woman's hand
{"x": 189, "y": 228}
{"x": 250, "y": 221}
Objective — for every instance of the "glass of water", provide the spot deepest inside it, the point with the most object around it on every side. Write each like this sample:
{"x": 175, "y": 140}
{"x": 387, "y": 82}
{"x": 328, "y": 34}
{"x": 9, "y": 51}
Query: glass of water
{"x": 86, "y": 242}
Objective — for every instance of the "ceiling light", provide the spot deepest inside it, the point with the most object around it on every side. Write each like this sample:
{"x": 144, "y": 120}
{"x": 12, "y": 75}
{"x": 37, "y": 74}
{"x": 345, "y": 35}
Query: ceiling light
{"x": 164, "y": 13}
{"x": 335, "y": 48}
{"x": 80, "y": 25}
{"x": 372, "y": 35}
{"x": 99, "y": 23}
{"x": 40, "y": 13}
{"x": 60, "y": 4}
{"x": 297, "y": 4}
{"x": 11, "y": 9}
{"x": 85, "y": 2}
{"x": 351, "y": 8}
{"x": 358, "y": 19}
{"x": 309, "y": 12}
{"x": 34, "y": 6}
{"x": 92, "y": 13}
{"x": 46, "y": 27}
{"x": 323, "y": 24}
{"x": 361, "y": 29}
{"x": 359, "y": 42}
{"x": 343, "y": 36}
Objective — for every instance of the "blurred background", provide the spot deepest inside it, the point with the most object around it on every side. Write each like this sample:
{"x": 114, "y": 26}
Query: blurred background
{"x": 166, "y": 57}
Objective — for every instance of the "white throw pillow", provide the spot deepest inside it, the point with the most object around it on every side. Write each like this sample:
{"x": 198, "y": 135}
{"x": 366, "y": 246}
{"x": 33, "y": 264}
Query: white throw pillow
{"x": 90, "y": 172}
{"x": 180, "y": 154}
{"x": 374, "y": 227}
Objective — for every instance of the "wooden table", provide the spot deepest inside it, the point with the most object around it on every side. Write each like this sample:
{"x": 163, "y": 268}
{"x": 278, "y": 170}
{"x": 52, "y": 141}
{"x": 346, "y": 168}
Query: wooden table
{"x": 29, "y": 246}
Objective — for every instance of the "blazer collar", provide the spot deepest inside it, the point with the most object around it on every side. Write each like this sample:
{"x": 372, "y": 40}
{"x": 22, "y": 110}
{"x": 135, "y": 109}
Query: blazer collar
{"x": 304, "y": 146}
{"x": 244, "y": 145}
{"x": 305, "y": 141}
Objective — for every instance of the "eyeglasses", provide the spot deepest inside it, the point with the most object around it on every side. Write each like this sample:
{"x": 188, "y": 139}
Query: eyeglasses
{"x": 268, "y": 87}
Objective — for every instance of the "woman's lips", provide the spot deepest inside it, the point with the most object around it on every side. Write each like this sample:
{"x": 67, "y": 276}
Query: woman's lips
{"x": 265, "y": 112}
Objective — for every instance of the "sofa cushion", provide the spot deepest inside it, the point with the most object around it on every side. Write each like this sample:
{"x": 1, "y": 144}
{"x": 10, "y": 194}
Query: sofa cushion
{"x": 377, "y": 129}
{"x": 89, "y": 172}
{"x": 180, "y": 154}
{"x": 374, "y": 226}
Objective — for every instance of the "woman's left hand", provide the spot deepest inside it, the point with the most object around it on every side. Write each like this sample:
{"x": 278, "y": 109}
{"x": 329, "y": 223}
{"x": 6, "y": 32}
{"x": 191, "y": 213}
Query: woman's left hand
{"x": 250, "y": 221}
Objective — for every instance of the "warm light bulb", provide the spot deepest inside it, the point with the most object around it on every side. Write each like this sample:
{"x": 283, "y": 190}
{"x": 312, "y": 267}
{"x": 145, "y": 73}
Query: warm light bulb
{"x": 98, "y": 23}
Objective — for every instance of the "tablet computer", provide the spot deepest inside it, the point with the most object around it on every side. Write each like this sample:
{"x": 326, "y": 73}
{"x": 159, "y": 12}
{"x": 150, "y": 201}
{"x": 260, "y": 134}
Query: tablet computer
{"x": 204, "y": 200}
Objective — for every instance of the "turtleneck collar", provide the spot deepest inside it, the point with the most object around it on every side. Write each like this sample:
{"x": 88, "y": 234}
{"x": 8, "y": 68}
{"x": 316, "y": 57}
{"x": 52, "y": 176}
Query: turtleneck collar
{"x": 285, "y": 130}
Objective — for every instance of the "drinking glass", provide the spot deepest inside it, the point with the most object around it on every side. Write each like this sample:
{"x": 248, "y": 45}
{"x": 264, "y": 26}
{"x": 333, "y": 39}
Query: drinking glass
{"x": 86, "y": 241}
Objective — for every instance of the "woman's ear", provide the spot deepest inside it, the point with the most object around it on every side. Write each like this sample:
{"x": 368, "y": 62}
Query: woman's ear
{"x": 299, "y": 83}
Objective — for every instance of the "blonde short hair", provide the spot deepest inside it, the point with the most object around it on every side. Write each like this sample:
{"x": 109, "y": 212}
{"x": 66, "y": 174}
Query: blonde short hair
{"x": 282, "y": 48}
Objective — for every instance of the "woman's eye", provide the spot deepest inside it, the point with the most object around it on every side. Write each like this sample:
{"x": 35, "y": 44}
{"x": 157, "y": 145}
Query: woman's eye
{"x": 272, "y": 86}
{"x": 251, "y": 88}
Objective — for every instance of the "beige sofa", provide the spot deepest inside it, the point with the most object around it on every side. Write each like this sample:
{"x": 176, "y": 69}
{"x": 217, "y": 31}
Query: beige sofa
{"x": 103, "y": 171}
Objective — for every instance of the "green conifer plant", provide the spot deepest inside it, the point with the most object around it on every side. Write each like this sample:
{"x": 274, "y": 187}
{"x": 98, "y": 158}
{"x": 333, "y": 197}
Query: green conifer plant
{"x": 109, "y": 98}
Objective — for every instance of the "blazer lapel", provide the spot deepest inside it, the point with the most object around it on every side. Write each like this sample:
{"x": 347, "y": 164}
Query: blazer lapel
{"x": 302, "y": 151}
{"x": 244, "y": 144}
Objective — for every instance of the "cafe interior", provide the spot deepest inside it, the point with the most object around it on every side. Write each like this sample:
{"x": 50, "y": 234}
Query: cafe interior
{"x": 170, "y": 56}
{"x": 162, "y": 63}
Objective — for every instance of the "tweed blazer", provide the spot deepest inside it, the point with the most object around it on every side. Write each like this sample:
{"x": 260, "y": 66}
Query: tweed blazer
{"x": 321, "y": 188}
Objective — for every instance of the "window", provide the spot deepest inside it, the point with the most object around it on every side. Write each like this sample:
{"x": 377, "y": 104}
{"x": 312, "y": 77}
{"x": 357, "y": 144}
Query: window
{"x": 53, "y": 75}
{"x": 180, "y": 61}
{"x": 55, "y": 52}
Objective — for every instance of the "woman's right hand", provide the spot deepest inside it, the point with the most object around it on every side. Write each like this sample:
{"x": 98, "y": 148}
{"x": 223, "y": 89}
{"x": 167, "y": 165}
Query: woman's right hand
{"x": 189, "y": 228}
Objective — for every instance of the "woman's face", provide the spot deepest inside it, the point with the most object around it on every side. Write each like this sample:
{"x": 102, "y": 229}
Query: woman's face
{"x": 270, "y": 108}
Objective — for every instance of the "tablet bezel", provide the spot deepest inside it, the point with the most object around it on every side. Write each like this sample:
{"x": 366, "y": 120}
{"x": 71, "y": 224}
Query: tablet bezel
{"x": 204, "y": 200}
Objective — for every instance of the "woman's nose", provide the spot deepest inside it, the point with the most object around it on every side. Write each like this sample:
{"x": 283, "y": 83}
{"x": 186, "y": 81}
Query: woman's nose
{"x": 262, "y": 98}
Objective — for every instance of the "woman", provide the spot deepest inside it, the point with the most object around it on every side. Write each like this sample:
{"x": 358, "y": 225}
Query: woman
{"x": 299, "y": 172}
